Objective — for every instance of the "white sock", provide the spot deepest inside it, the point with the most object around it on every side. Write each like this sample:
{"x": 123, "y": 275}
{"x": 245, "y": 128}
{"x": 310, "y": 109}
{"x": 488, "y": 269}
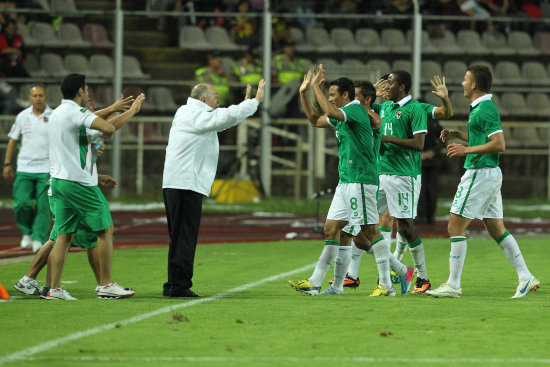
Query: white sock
{"x": 417, "y": 252}
{"x": 400, "y": 246}
{"x": 341, "y": 267}
{"x": 397, "y": 266}
{"x": 514, "y": 256}
{"x": 456, "y": 260}
{"x": 26, "y": 279}
{"x": 386, "y": 233}
{"x": 325, "y": 261}
{"x": 355, "y": 262}
{"x": 381, "y": 250}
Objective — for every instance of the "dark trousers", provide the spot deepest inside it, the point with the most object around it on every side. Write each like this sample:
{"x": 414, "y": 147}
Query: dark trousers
{"x": 183, "y": 211}
{"x": 427, "y": 202}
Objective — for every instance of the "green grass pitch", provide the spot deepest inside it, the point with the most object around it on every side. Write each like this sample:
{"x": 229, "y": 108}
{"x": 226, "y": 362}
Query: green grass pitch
{"x": 270, "y": 324}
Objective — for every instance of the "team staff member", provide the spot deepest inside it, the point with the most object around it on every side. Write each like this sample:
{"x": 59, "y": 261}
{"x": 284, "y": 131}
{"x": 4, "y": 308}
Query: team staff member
{"x": 478, "y": 194}
{"x": 189, "y": 171}
{"x": 33, "y": 169}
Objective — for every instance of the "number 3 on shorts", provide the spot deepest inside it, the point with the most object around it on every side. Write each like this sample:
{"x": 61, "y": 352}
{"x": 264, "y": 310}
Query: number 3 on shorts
{"x": 459, "y": 192}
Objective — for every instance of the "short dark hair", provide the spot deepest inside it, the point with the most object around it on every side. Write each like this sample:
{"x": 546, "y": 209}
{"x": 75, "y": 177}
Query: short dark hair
{"x": 367, "y": 89}
{"x": 482, "y": 77}
{"x": 71, "y": 84}
{"x": 403, "y": 77}
{"x": 345, "y": 85}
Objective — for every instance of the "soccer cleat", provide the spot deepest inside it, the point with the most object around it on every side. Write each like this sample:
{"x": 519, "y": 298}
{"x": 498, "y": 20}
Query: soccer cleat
{"x": 96, "y": 291}
{"x": 26, "y": 241}
{"x": 44, "y": 291}
{"x": 349, "y": 282}
{"x": 531, "y": 284}
{"x": 36, "y": 245}
{"x": 395, "y": 279}
{"x": 59, "y": 294}
{"x": 331, "y": 290}
{"x": 115, "y": 291}
{"x": 30, "y": 288}
{"x": 381, "y": 291}
{"x": 305, "y": 286}
{"x": 406, "y": 280}
{"x": 445, "y": 291}
{"x": 421, "y": 286}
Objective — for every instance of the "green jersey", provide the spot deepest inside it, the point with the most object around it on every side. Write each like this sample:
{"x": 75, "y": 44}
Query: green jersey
{"x": 429, "y": 109}
{"x": 401, "y": 120}
{"x": 483, "y": 121}
{"x": 356, "y": 150}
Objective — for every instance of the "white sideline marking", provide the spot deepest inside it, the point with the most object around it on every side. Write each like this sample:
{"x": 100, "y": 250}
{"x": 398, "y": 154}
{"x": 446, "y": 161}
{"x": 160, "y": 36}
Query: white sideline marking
{"x": 483, "y": 361}
{"x": 29, "y": 352}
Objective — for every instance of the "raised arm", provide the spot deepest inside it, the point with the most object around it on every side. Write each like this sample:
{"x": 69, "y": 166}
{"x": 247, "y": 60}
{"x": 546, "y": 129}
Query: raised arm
{"x": 331, "y": 111}
{"x": 445, "y": 111}
{"x": 122, "y": 105}
{"x": 113, "y": 124}
{"x": 314, "y": 115}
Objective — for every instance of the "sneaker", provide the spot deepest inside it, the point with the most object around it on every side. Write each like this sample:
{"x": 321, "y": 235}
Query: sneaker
{"x": 304, "y": 286}
{"x": 30, "y": 288}
{"x": 349, "y": 282}
{"x": 331, "y": 290}
{"x": 36, "y": 245}
{"x": 26, "y": 241}
{"x": 59, "y": 294}
{"x": 445, "y": 291}
{"x": 381, "y": 291}
{"x": 395, "y": 279}
{"x": 531, "y": 284}
{"x": 113, "y": 290}
{"x": 421, "y": 286}
{"x": 44, "y": 291}
{"x": 96, "y": 291}
{"x": 406, "y": 280}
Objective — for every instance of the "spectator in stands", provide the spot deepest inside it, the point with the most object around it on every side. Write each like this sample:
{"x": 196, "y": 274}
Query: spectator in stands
{"x": 498, "y": 8}
{"x": 12, "y": 52}
{"x": 248, "y": 70}
{"x": 6, "y": 16}
{"x": 214, "y": 74}
{"x": 286, "y": 66}
{"x": 244, "y": 28}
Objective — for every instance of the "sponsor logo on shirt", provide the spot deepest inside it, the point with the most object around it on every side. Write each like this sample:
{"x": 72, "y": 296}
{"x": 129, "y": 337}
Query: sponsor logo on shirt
{"x": 350, "y": 162}
{"x": 382, "y": 114}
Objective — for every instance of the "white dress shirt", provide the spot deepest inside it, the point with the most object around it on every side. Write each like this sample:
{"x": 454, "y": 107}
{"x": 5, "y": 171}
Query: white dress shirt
{"x": 193, "y": 147}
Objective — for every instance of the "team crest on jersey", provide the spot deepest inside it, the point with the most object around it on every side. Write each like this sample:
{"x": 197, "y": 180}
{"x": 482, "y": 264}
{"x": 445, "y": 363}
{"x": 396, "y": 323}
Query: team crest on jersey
{"x": 398, "y": 114}
{"x": 82, "y": 110}
{"x": 46, "y": 119}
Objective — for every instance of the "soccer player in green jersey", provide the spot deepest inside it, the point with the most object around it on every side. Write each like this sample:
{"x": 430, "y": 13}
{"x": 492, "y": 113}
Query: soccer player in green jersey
{"x": 478, "y": 194}
{"x": 354, "y": 201}
{"x": 404, "y": 129}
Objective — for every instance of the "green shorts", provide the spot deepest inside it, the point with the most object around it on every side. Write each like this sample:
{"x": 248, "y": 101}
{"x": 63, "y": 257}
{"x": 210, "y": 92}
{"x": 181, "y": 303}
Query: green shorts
{"x": 79, "y": 207}
{"x": 82, "y": 238}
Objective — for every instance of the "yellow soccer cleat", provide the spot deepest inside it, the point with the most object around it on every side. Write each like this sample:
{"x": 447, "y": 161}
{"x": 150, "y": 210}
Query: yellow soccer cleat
{"x": 381, "y": 291}
{"x": 305, "y": 286}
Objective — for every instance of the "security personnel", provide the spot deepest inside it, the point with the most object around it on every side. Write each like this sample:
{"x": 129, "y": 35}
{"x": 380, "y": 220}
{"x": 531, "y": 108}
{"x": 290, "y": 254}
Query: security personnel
{"x": 248, "y": 69}
{"x": 287, "y": 67}
{"x": 214, "y": 74}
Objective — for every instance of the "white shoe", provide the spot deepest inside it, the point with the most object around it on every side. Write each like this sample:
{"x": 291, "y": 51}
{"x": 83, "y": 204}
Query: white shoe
{"x": 113, "y": 290}
{"x": 445, "y": 291}
{"x": 26, "y": 241}
{"x": 531, "y": 284}
{"x": 30, "y": 287}
{"x": 60, "y": 294}
{"x": 36, "y": 245}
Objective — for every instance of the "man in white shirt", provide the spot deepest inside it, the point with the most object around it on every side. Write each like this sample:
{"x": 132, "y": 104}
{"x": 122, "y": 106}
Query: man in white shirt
{"x": 189, "y": 171}
{"x": 30, "y": 187}
{"x": 78, "y": 200}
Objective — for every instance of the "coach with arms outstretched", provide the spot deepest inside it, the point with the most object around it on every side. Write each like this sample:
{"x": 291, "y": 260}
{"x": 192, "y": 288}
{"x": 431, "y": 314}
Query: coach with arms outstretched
{"x": 189, "y": 171}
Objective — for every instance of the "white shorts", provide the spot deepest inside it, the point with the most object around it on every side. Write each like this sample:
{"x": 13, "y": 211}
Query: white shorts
{"x": 354, "y": 203}
{"x": 402, "y": 194}
{"x": 382, "y": 202}
{"x": 478, "y": 195}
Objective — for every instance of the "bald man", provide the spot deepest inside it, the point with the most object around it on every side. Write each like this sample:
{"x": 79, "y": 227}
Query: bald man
{"x": 30, "y": 188}
{"x": 189, "y": 171}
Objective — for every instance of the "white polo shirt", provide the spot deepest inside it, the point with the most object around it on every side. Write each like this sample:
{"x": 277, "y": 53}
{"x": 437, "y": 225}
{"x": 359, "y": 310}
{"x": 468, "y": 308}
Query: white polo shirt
{"x": 70, "y": 148}
{"x": 32, "y": 132}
